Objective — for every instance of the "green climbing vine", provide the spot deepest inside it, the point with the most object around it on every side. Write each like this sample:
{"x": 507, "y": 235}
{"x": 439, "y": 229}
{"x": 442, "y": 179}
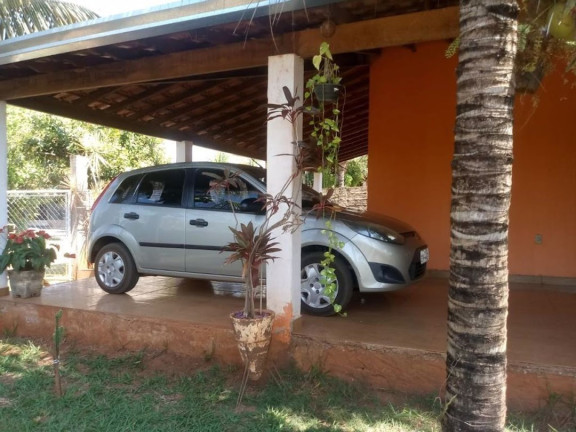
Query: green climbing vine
{"x": 326, "y": 123}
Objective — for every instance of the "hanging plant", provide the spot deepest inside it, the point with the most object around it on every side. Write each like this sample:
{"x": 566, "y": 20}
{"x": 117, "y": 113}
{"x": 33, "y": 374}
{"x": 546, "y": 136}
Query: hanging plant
{"x": 323, "y": 93}
{"x": 326, "y": 117}
{"x": 325, "y": 83}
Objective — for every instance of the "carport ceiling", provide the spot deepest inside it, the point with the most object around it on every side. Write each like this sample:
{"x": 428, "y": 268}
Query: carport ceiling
{"x": 175, "y": 74}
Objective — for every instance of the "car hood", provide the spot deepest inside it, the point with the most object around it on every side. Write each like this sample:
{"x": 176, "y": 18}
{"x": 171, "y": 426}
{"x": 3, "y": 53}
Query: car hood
{"x": 375, "y": 218}
{"x": 310, "y": 197}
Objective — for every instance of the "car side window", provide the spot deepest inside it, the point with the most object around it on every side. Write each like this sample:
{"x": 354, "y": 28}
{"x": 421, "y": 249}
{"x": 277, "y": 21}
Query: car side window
{"x": 125, "y": 192}
{"x": 221, "y": 190}
{"x": 162, "y": 188}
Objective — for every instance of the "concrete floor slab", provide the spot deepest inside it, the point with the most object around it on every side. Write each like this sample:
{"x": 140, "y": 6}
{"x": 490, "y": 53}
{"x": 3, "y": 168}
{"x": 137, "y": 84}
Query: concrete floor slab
{"x": 391, "y": 340}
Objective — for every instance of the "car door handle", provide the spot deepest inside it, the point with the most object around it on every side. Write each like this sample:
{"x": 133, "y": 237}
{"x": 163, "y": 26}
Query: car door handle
{"x": 199, "y": 222}
{"x": 131, "y": 215}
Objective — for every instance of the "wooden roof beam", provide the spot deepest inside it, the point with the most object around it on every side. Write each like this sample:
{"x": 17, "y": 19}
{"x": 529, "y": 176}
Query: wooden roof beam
{"x": 396, "y": 30}
{"x": 154, "y": 90}
{"x": 190, "y": 95}
{"x": 105, "y": 119}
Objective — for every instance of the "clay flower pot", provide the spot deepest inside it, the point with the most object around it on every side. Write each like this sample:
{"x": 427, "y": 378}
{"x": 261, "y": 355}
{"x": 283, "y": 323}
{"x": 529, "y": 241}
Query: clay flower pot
{"x": 253, "y": 337}
{"x": 26, "y": 283}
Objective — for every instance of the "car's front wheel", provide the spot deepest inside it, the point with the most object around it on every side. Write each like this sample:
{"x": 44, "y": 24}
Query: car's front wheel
{"x": 115, "y": 270}
{"x": 315, "y": 299}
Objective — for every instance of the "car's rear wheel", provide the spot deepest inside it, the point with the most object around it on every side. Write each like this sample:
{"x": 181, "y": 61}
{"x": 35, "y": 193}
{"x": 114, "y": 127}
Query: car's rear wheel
{"x": 115, "y": 270}
{"x": 315, "y": 299}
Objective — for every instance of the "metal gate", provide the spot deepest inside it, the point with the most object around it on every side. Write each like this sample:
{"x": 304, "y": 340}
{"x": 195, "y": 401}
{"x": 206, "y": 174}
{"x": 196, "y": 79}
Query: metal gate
{"x": 47, "y": 210}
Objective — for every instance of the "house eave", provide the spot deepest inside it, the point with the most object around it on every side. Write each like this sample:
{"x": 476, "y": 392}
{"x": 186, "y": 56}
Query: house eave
{"x": 184, "y": 15}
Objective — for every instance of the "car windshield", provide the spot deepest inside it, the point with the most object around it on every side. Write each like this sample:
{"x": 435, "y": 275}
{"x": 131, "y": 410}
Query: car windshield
{"x": 257, "y": 172}
{"x": 309, "y": 196}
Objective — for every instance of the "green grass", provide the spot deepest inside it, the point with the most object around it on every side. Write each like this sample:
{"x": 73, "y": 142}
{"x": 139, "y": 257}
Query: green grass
{"x": 124, "y": 394}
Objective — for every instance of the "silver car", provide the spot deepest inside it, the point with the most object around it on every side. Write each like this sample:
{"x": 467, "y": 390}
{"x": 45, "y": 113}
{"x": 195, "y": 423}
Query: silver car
{"x": 167, "y": 220}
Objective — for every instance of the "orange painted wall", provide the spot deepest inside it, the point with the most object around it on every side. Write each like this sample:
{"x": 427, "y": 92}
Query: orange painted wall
{"x": 412, "y": 114}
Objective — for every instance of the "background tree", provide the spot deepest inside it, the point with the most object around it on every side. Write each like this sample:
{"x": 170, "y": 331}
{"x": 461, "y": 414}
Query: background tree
{"x": 481, "y": 186}
{"x": 121, "y": 150}
{"x": 221, "y": 157}
{"x": 38, "y": 149}
{"x": 356, "y": 171}
{"x": 355, "y": 174}
{"x": 20, "y": 17}
{"x": 40, "y": 146}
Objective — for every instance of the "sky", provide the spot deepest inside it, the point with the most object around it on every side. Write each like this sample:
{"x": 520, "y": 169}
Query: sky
{"x": 114, "y": 7}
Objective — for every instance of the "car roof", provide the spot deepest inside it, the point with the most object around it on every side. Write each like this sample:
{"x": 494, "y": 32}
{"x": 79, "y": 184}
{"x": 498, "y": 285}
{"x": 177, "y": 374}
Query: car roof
{"x": 255, "y": 171}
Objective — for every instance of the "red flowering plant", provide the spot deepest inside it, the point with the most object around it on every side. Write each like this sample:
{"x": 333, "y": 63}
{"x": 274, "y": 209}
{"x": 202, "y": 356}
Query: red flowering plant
{"x": 27, "y": 250}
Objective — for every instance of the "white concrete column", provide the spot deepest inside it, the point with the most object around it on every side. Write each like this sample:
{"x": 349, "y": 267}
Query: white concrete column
{"x": 79, "y": 172}
{"x": 78, "y": 215}
{"x": 317, "y": 186}
{"x": 3, "y": 188}
{"x": 184, "y": 151}
{"x": 283, "y": 275}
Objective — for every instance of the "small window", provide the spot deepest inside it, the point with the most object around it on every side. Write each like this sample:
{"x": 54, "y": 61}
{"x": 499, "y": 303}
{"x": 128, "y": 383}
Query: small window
{"x": 162, "y": 188}
{"x": 219, "y": 190}
{"x": 125, "y": 191}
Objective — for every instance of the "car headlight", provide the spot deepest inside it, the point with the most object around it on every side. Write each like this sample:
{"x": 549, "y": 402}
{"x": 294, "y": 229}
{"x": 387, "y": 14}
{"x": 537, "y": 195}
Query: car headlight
{"x": 377, "y": 232}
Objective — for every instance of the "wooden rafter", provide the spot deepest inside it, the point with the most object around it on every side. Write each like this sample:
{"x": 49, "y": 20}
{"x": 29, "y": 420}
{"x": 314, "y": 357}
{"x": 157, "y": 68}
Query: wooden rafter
{"x": 365, "y": 35}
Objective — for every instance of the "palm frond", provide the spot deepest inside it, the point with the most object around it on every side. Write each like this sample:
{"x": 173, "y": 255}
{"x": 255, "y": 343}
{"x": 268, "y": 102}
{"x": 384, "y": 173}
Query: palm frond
{"x": 21, "y": 17}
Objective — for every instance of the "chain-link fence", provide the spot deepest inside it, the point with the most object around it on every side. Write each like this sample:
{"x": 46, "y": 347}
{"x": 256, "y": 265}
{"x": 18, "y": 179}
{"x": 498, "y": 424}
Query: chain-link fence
{"x": 47, "y": 210}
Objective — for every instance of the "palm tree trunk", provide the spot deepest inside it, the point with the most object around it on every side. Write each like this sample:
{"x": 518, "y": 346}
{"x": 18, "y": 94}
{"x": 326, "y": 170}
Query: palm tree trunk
{"x": 481, "y": 183}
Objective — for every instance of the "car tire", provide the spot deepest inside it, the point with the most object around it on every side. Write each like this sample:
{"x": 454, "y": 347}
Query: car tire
{"x": 114, "y": 269}
{"x": 313, "y": 300}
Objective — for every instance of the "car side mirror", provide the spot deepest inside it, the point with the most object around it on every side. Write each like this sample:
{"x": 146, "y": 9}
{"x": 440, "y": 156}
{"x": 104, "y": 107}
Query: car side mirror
{"x": 251, "y": 205}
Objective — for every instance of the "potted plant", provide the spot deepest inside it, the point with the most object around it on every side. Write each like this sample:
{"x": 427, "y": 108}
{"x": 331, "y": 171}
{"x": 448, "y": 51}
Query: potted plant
{"x": 325, "y": 84}
{"x": 325, "y": 120}
{"x": 252, "y": 326}
{"x": 254, "y": 246}
{"x": 26, "y": 256}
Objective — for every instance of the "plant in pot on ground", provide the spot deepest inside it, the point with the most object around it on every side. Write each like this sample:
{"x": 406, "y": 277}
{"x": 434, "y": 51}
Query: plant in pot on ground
{"x": 26, "y": 256}
{"x": 253, "y": 245}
